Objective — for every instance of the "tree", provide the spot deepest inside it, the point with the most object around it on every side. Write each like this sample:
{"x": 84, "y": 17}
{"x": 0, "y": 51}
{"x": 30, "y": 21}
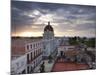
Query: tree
{"x": 91, "y": 42}
{"x": 73, "y": 40}
{"x": 42, "y": 68}
{"x": 50, "y": 59}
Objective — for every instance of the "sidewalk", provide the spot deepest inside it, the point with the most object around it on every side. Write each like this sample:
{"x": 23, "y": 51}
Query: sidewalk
{"x": 48, "y": 66}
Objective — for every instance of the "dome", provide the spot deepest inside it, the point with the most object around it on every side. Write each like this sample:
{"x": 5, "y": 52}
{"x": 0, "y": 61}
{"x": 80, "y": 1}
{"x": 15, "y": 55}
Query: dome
{"x": 48, "y": 27}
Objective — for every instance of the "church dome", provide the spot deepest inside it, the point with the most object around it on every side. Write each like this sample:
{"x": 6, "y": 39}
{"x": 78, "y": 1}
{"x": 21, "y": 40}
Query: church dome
{"x": 48, "y": 27}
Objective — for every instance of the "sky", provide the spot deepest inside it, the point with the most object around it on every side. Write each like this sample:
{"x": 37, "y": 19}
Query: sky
{"x": 30, "y": 18}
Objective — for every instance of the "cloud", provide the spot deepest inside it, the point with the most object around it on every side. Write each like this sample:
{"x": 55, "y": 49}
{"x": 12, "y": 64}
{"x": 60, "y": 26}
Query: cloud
{"x": 33, "y": 16}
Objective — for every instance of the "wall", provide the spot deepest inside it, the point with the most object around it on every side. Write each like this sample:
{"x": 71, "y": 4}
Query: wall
{"x": 34, "y": 55}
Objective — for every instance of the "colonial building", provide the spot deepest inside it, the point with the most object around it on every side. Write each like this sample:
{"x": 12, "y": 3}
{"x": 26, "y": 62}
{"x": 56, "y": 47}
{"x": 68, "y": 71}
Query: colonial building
{"x": 66, "y": 51}
{"x": 34, "y": 52}
{"x": 26, "y": 55}
{"x": 64, "y": 46}
{"x": 19, "y": 65}
{"x": 18, "y": 56}
{"x": 49, "y": 42}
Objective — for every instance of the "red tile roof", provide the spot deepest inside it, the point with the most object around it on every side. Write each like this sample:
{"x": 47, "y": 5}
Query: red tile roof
{"x": 63, "y": 66}
{"x": 18, "y": 45}
{"x": 71, "y": 52}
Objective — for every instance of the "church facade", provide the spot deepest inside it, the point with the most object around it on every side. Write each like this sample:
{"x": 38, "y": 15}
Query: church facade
{"x": 50, "y": 43}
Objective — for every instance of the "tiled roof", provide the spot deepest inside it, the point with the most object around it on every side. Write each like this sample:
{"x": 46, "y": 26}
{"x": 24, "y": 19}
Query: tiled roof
{"x": 71, "y": 52}
{"x": 18, "y": 45}
{"x": 64, "y": 66}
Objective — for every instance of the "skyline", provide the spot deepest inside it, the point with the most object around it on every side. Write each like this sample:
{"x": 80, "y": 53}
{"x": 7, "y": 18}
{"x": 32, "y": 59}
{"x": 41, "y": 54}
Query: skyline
{"x": 30, "y": 18}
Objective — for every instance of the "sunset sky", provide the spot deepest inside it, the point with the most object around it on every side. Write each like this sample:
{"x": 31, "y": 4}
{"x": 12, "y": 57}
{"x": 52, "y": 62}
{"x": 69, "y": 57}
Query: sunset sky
{"x": 30, "y": 18}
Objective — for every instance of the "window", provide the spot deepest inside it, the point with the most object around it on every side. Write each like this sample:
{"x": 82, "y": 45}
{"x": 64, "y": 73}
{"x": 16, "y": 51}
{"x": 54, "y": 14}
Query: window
{"x": 31, "y": 46}
{"x": 27, "y": 47}
{"x": 44, "y": 47}
{"x": 38, "y": 51}
{"x": 34, "y": 45}
{"x": 28, "y": 69}
{"x": 38, "y": 44}
{"x": 34, "y": 64}
{"x": 34, "y": 54}
{"x": 27, "y": 58}
{"x": 31, "y": 56}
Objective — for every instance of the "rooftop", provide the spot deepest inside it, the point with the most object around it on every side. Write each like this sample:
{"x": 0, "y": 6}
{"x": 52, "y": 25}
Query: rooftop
{"x": 18, "y": 45}
{"x": 72, "y": 52}
{"x": 64, "y": 66}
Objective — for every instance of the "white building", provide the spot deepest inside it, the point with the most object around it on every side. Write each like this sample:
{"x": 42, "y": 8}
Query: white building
{"x": 18, "y": 57}
{"x": 34, "y": 52}
{"x": 27, "y": 53}
{"x": 65, "y": 48}
{"x": 49, "y": 41}
{"x": 19, "y": 65}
